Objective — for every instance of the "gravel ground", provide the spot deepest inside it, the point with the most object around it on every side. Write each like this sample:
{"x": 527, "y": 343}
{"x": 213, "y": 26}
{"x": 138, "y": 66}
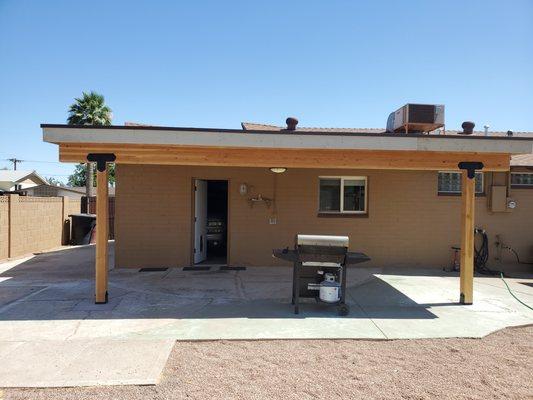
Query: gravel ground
{"x": 499, "y": 366}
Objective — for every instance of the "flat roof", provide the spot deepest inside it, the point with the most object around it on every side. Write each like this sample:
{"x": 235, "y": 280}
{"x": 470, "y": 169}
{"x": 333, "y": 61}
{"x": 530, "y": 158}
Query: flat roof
{"x": 238, "y": 138}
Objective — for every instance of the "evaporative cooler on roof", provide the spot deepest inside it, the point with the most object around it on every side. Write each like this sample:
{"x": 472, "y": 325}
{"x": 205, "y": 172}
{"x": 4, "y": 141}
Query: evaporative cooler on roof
{"x": 416, "y": 118}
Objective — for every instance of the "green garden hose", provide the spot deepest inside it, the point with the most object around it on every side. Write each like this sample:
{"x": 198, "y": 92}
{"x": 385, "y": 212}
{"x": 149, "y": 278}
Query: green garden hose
{"x": 512, "y": 294}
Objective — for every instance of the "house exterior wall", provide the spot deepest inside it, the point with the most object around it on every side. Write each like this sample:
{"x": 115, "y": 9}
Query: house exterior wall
{"x": 407, "y": 222}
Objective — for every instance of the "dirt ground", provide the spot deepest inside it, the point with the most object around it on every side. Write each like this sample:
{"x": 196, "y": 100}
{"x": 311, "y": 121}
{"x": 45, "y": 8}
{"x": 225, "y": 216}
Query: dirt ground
{"x": 499, "y": 366}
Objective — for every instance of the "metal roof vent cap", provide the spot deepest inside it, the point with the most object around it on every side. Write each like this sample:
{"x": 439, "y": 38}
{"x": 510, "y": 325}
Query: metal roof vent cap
{"x": 291, "y": 123}
{"x": 468, "y": 128}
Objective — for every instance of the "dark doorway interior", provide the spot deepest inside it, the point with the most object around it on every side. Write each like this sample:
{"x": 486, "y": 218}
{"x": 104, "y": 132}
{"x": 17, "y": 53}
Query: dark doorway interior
{"x": 217, "y": 222}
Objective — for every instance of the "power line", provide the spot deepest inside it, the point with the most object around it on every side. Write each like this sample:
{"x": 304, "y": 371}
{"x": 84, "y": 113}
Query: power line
{"x": 33, "y": 161}
{"x": 43, "y": 162}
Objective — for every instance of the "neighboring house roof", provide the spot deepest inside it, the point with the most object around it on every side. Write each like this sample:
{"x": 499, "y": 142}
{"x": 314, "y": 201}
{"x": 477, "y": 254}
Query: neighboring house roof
{"x": 74, "y": 189}
{"x": 19, "y": 176}
{"x": 77, "y": 189}
{"x": 81, "y": 189}
{"x": 67, "y": 188}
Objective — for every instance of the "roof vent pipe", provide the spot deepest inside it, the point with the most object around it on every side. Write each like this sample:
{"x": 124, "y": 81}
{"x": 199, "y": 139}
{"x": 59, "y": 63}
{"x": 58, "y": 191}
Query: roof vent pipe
{"x": 291, "y": 123}
{"x": 486, "y": 127}
{"x": 468, "y": 128}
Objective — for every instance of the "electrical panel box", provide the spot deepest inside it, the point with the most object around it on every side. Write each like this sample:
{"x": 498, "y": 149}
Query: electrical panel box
{"x": 498, "y": 199}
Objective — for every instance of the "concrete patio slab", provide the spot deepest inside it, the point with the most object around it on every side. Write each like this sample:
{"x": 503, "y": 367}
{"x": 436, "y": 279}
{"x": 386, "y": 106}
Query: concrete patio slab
{"x": 48, "y": 317}
{"x": 82, "y": 362}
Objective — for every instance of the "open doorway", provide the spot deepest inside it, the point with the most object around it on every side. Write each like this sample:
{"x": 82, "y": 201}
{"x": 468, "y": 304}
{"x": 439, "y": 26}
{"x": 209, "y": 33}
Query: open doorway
{"x": 210, "y": 222}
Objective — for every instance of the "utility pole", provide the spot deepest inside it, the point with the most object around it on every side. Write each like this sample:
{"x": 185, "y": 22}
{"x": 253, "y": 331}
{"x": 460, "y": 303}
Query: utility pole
{"x": 14, "y": 161}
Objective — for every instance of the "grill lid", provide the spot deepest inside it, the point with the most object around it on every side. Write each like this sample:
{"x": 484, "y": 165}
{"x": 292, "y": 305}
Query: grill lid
{"x": 322, "y": 240}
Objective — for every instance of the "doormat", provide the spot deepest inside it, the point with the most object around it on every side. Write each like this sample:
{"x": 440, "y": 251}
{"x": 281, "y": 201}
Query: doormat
{"x": 153, "y": 269}
{"x": 226, "y": 268}
{"x": 202, "y": 268}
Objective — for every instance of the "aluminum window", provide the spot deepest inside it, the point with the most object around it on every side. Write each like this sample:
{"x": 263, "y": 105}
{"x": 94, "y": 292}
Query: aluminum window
{"x": 522, "y": 179}
{"x": 342, "y": 194}
{"x": 450, "y": 182}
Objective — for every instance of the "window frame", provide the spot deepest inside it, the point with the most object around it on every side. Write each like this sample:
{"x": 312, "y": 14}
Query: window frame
{"x": 520, "y": 185}
{"x": 341, "y": 211}
{"x": 459, "y": 193}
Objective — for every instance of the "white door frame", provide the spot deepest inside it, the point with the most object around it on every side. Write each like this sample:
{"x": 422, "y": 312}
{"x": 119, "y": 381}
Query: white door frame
{"x": 193, "y": 211}
{"x": 200, "y": 221}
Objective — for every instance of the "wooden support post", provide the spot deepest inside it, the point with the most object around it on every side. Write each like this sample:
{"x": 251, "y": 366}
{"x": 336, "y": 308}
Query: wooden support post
{"x": 102, "y": 227}
{"x": 467, "y": 238}
{"x": 102, "y": 223}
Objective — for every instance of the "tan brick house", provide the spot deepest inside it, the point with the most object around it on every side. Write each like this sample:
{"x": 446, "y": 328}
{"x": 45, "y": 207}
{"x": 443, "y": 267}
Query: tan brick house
{"x": 396, "y": 195}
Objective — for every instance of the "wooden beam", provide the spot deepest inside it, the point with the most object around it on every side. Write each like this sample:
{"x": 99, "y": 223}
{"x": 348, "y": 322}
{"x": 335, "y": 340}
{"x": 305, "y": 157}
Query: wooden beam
{"x": 290, "y": 158}
{"x": 467, "y": 239}
{"x": 102, "y": 227}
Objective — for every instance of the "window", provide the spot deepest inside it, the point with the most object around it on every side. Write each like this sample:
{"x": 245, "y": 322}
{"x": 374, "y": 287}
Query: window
{"x": 450, "y": 183}
{"x": 343, "y": 195}
{"x": 521, "y": 179}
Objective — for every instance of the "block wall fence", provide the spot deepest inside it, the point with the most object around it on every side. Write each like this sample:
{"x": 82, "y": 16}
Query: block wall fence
{"x": 32, "y": 224}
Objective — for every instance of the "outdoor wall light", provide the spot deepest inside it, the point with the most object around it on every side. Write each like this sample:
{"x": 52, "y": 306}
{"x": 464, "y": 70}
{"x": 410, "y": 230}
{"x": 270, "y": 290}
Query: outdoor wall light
{"x": 278, "y": 170}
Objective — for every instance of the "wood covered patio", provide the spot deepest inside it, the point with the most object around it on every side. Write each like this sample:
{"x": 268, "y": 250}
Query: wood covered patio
{"x": 235, "y": 148}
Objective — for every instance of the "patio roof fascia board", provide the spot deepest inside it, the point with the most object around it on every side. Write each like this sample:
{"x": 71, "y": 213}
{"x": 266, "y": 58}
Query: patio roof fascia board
{"x": 289, "y": 158}
{"x": 295, "y": 141}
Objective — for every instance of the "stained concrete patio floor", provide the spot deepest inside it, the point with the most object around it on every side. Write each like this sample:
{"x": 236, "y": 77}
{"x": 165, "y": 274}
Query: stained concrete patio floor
{"x": 48, "y": 317}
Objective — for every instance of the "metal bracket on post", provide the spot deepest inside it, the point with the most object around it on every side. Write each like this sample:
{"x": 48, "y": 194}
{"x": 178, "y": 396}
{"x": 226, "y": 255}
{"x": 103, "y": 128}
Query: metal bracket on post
{"x": 101, "y": 159}
{"x": 471, "y": 167}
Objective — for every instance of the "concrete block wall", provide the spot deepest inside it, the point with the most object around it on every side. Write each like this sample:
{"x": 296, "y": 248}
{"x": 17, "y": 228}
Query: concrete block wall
{"x": 4, "y": 227}
{"x": 31, "y": 224}
{"x": 408, "y": 223}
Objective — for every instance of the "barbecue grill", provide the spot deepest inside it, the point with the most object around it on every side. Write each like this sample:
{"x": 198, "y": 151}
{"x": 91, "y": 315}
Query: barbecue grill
{"x": 319, "y": 269}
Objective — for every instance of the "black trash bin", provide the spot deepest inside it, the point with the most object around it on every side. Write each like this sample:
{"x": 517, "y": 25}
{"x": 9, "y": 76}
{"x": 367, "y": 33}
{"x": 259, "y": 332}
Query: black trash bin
{"x": 82, "y": 226}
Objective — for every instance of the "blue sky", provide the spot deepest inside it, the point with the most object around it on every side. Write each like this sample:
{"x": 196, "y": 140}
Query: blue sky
{"x": 215, "y": 64}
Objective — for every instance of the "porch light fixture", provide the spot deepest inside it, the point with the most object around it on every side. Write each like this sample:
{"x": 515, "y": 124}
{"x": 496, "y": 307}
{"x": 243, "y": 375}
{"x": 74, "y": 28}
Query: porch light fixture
{"x": 278, "y": 170}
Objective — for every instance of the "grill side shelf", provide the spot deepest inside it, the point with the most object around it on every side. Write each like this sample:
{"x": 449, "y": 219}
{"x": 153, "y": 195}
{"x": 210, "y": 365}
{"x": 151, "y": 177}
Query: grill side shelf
{"x": 352, "y": 258}
{"x": 285, "y": 254}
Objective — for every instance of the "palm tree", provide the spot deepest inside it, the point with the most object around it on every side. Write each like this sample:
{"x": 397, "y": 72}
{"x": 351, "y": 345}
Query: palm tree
{"x": 90, "y": 109}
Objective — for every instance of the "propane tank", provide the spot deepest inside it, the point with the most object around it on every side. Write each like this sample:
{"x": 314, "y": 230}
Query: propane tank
{"x": 329, "y": 289}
